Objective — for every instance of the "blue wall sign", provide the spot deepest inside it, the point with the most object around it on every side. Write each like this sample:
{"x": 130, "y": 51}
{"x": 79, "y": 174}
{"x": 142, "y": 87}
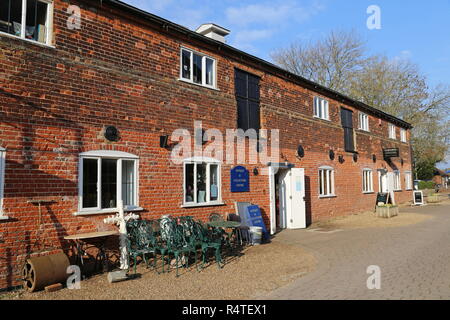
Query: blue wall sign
{"x": 254, "y": 219}
{"x": 240, "y": 179}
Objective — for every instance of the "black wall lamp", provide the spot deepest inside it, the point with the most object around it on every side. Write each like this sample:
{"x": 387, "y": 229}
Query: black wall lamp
{"x": 164, "y": 142}
{"x": 341, "y": 159}
{"x": 374, "y": 158}
{"x": 402, "y": 161}
{"x": 255, "y": 171}
{"x": 300, "y": 151}
{"x": 332, "y": 155}
{"x": 355, "y": 157}
{"x": 111, "y": 134}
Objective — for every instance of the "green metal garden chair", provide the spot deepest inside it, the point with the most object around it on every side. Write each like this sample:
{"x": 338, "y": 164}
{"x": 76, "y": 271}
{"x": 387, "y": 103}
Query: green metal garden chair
{"x": 210, "y": 238}
{"x": 179, "y": 240}
{"x": 141, "y": 241}
{"x": 215, "y": 217}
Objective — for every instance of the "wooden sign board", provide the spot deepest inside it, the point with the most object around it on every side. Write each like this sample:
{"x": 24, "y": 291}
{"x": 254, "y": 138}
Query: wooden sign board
{"x": 384, "y": 198}
{"x": 418, "y": 198}
{"x": 391, "y": 153}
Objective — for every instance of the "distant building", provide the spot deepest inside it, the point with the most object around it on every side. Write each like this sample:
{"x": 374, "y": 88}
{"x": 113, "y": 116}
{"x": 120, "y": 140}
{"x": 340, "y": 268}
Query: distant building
{"x": 442, "y": 178}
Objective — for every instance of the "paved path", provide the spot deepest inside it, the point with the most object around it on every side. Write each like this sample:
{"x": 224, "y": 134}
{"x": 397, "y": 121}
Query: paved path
{"x": 414, "y": 261}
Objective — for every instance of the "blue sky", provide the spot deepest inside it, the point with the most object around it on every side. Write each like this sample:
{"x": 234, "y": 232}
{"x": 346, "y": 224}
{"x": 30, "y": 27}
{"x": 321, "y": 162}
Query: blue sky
{"x": 415, "y": 29}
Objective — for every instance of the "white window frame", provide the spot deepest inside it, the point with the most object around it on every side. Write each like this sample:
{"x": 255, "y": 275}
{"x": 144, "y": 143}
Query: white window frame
{"x": 208, "y": 161}
{"x": 48, "y": 24}
{"x": 105, "y": 154}
{"x": 2, "y": 180}
{"x": 364, "y": 122}
{"x": 367, "y": 180}
{"x": 321, "y": 108}
{"x": 402, "y": 135}
{"x": 191, "y": 78}
{"x": 392, "y": 131}
{"x": 327, "y": 173}
{"x": 397, "y": 181}
{"x": 408, "y": 180}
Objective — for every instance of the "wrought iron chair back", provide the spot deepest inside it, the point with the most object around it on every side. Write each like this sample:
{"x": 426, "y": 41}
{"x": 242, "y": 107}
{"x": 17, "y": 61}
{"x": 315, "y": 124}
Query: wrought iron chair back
{"x": 215, "y": 217}
{"x": 140, "y": 234}
{"x": 141, "y": 240}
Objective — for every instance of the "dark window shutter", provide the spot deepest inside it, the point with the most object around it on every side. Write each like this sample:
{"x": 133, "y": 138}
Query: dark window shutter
{"x": 247, "y": 96}
{"x": 347, "y": 118}
{"x": 253, "y": 88}
{"x": 254, "y": 122}
{"x": 347, "y": 123}
{"x": 243, "y": 114}
{"x": 241, "y": 84}
{"x": 348, "y": 140}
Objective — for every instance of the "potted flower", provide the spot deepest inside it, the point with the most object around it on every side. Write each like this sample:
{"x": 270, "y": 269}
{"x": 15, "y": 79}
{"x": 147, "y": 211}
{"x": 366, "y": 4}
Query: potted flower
{"x": 387, "y": 210}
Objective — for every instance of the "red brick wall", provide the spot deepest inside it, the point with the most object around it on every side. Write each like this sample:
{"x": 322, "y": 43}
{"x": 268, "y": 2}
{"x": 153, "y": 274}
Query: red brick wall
{"x": 55, "y": 102}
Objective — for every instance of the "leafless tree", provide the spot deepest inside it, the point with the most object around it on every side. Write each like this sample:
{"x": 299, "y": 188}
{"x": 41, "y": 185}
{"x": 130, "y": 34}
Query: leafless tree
{"x": 340, "y": 61}
{"x": 330, "y": 61}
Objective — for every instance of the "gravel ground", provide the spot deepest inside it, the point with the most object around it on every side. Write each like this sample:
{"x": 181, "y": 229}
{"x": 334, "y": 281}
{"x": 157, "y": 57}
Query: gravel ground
{"x": 259, "y": 269}
{"x": 370, "y": 220}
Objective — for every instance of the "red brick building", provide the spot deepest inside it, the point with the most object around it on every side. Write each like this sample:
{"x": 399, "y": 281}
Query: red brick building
{"x": 61, "y": 87}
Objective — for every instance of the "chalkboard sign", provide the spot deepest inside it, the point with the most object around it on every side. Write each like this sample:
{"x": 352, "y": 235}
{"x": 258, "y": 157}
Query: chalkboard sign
{"x": 383, "y": 197}
{"x": 418, "y": 197}
{"x": 254, "y": 219}
{"x": 240, "y": 179}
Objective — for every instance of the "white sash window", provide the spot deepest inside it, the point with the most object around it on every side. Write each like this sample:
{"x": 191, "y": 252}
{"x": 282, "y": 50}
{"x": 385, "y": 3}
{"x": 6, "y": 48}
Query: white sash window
{"x": 106, "y": 177}
{"x": 326, "y": 182}
{"x": 202, "y": 182}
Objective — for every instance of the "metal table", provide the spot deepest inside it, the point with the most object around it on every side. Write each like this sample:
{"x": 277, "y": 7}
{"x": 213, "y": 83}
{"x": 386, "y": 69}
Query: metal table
{"x": 226, "y": 225}
{"x": 81, "y": 240}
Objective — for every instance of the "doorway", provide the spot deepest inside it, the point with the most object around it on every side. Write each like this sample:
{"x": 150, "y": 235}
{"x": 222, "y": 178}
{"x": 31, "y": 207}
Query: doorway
{"x": 383, "y": 181}
{"x": 287, "y": 190}
{"x": 386, "y": 183}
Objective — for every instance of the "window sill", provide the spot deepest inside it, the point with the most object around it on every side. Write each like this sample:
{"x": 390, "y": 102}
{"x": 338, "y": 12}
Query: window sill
{"x": 197, "y": 84}
{"x": 319, "y": 118}
{"x": 369, "y": 192}
{"x": 398, "y": 190}
{"x": 3, "y": 218}
{"x": 40, "y": 44}
{"x": 105, "y": 211}
{"x": 210, "y": 204}
{"x": 326, "y": 197}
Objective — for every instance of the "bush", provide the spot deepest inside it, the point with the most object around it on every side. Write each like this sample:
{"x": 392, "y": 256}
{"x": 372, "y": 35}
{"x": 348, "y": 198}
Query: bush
{"x": 426, "y": 185}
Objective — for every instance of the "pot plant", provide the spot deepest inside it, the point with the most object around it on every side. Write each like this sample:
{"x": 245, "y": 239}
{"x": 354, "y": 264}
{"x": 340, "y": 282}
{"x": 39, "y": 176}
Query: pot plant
{"x": 434, "y": 198}
{"x": 387, "y": 210}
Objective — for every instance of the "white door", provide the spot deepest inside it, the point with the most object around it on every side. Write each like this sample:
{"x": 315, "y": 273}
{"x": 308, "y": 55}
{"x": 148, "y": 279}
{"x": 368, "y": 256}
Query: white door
{"x": 390, "y": 185}
{"x": 292, "y": 209}
{"x": 296, "y": 218}
{"x": 273, "y": 219}
{"x": 284, "y": 183}
{"x": 383, "y": 181}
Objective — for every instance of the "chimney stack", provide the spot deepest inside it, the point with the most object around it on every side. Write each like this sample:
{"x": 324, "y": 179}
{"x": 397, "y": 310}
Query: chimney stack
{"x": 213, "y": 31}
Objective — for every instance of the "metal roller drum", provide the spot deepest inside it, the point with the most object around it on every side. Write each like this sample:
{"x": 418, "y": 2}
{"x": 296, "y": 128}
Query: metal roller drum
{"x": 40, "y": 272}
